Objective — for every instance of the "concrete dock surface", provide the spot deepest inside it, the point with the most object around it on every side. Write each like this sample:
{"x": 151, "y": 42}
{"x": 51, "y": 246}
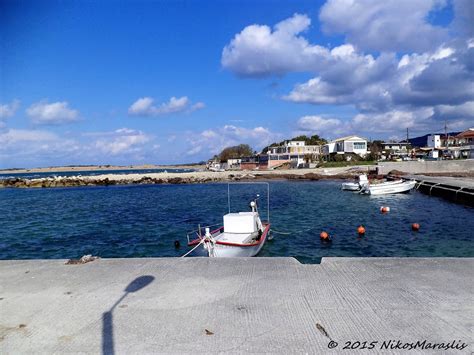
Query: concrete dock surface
{"x": 446, "y": 180}
{"x": 248, "y": 305}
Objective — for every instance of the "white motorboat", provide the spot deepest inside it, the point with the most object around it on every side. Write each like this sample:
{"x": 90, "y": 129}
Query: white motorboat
{"x": 390, "y": 187}
{"x": 356, "y": 186}
{"x": 243, "y": 234}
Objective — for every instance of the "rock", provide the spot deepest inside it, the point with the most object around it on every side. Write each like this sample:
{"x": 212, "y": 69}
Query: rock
{"x": 84, "y": 259}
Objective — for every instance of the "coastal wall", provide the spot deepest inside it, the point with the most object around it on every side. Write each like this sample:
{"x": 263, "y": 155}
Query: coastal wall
{"x": 427, "y": 167}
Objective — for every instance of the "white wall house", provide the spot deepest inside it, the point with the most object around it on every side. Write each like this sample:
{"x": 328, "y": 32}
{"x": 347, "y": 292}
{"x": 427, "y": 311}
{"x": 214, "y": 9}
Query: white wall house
{"x": 294, "y": 152}
{"x": 344, "y": 145}
{"x": 234, "y": 163}
{"x": 433, "y": 141}
{"x": 397, "y": 147}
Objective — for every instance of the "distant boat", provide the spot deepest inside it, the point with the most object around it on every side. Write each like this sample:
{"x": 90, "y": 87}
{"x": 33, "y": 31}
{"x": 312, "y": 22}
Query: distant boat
{"x": 242, "y": 235}
{"x": 356, "y": 186}
{"x": 390, "y": 187}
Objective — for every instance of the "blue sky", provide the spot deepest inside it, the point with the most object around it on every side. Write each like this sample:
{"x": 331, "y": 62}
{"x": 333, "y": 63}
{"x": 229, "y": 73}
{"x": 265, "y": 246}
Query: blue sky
{"x": 131, "y": 82}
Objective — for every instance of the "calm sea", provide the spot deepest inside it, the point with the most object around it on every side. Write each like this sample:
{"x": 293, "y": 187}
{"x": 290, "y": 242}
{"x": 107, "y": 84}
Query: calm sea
{"x": 146, "y": 220}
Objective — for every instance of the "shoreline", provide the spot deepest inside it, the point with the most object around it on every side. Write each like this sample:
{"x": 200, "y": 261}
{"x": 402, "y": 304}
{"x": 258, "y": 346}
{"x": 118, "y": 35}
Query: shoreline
{"x": 184, "y": 178}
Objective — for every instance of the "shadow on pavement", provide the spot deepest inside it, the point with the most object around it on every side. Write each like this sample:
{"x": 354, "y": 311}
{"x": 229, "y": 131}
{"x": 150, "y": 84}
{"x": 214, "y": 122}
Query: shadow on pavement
{"x": 107, "y": 317}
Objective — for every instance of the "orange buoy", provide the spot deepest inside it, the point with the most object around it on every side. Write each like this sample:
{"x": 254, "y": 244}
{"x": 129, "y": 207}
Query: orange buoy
{"x": 384, "y": 209}
{"x": 361, "y": 230}
{"x": 415, "y": 227}
{"x": 325, "y": 236}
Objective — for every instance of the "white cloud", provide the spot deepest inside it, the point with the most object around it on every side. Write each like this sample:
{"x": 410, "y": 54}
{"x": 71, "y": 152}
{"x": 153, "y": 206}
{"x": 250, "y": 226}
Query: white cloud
{"x": 394, "y": 64}
{"x": 121, "y": 141}
{"x": 212, "y": 141}
{"x": 145, "y": 107}
{"x": 320, "y": 125}
{"x": 389, "y": 25}
{"x": 14, "y": 136}
{"x": 260, "y": 51}
{"x": 395, "y": 121}
{"x": 463, "y": 111}
{"x": 8, "y": 110}
{"x": 51, "y": 113}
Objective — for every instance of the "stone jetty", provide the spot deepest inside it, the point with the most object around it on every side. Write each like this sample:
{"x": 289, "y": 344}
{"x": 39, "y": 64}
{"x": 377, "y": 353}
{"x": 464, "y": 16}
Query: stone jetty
{"x": 181, "y": 178}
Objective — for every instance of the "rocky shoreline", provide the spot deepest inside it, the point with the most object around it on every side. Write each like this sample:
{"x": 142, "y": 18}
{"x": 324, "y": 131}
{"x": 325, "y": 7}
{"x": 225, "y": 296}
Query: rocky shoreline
{"x": 172, "y": 178}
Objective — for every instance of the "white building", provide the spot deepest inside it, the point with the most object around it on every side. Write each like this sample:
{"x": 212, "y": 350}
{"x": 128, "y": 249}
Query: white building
{"x": 392, "y": 150}
{"x": 294, "y": 152}
{"x": 433, "y": 141}
{"x": 350, "y": 144}
{"x": 234, "y": 163}
{"x": 396, "y": 147}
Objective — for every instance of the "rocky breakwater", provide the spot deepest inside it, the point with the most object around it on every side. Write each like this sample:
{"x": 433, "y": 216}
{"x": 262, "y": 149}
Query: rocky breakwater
{"x": 167, "y": 178}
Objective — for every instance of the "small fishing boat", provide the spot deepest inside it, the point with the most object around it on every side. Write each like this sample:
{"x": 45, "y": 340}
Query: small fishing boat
{"x": 356, "y": 186}
{"x": 390, "y": 187}
{"x": 242, "y": 234}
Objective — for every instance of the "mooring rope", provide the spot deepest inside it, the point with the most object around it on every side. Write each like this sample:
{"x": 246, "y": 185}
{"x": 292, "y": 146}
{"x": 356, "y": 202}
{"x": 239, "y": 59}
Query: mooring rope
{"x": 193, "y": 249}
{"x": 288, "y": 233}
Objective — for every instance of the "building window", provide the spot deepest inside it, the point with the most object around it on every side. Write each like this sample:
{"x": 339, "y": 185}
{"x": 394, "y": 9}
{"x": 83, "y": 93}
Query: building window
{"x": 359, "y": 145}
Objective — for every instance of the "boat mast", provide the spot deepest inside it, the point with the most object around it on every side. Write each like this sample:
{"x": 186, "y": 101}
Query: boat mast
{"x": 251, "y": 183}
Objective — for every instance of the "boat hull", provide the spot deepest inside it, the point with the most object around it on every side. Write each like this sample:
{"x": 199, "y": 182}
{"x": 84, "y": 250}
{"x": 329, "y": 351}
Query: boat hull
{"x": 394, "y": 188}
{"x": 234, "y": 250}
{"x": 350, "y": 186}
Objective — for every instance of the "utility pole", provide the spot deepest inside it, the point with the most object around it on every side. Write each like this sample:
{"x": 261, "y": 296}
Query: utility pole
{"x": 446, "y": 132}
{"x": 407, "y": 135}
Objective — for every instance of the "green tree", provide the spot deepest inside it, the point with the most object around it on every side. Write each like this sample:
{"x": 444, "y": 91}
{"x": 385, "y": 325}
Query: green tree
{"x": 238, "y": 151}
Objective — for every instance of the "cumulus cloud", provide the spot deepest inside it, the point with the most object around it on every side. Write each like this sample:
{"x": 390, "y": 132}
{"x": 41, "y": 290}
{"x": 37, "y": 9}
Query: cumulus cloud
{"x": 319, "y": 124}
{"x": 25, "y": 147}
{"x": 121, "y": 141}
{"x": 145, "y": 106}
{"x": 51, "y": 113}
{"x": 389, "y": 25}
{"x": 212, "y": 141}
{"x": 464, "y": 111}
{"x": 14, "y": 136}
{"x": 21, "y": 147}
{"x": 8, "y": 110}
{"x": 440, "y": 77}
{"x": 394, "y": 65}
{"x": 260, "y": 51}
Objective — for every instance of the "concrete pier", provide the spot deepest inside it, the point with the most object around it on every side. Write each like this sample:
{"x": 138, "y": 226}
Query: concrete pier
{"x": 460, "y": 190}
{"x": 257, "y": 305}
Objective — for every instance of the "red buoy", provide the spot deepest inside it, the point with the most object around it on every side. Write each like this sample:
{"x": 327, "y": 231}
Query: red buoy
{"x": 384, "y": 209}
{"x": 324, "y": 235}
{"x": 361, "y": 230}
{"x": 415, "y": 227}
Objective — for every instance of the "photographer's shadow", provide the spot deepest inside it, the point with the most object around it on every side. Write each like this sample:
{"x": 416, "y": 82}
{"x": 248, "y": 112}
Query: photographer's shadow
{"x": 107, "y": 317}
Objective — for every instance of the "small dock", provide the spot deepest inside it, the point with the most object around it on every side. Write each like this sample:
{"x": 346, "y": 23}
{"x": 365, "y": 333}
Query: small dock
{"x": 241, "y": 305}
{"x": 459, "y": 190}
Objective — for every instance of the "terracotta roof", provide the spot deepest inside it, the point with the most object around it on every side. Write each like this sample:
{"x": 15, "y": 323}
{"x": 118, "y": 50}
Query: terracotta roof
{"x": 466, "y": 134}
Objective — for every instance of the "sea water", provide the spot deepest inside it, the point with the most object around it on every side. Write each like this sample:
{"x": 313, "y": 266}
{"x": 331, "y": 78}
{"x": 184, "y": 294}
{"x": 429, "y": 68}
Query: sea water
{"x": 146, "y": 220}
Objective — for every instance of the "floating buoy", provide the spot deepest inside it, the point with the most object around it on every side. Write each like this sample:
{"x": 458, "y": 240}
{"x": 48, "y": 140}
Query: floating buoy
{"x": 361, "y": 230}
{"x": 325, "y": 236}
{"x": 177, "y": 244}
{"x": 415, "y": 227}
{"x": 384, "y": 209}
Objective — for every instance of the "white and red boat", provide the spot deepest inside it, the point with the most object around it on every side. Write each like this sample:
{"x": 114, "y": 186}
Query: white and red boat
{"x": 243, "y": 234}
